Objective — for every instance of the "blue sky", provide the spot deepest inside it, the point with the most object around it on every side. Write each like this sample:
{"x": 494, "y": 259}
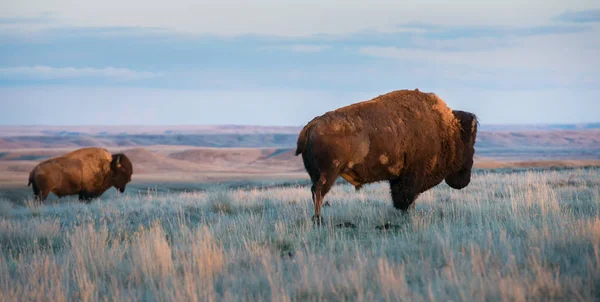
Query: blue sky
{"x": 282, "y": 63}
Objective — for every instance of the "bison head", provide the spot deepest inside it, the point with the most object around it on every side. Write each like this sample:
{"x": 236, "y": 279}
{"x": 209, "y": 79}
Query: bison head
{"x": 121, "y": 171}
{"x": 468, "y": 128}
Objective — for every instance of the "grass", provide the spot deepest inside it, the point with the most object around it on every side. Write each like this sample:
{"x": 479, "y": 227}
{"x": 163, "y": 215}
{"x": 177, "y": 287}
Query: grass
{"x": 532, "y": 235}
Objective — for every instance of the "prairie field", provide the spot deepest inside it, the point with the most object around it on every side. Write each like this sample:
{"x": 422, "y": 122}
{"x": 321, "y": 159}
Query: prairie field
{"x": 522, "y": 236}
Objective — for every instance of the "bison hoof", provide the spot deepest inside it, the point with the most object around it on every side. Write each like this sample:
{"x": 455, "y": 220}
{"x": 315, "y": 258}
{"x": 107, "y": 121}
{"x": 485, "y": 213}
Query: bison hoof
{"x": 326, "y": 204}
{"x": 317, "y": 220}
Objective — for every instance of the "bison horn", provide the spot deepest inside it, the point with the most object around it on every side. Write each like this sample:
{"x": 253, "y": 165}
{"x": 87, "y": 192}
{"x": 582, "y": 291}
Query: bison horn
{"x": 118, "y": 160}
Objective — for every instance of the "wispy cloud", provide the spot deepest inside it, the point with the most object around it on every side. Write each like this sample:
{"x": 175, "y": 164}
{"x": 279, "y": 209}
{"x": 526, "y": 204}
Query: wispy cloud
{"x": 569, "y": 51}
{"x": 47, "y": 72}
{"x": 430, "y": 46}
{"x": 377, "y": 57}
{"x": 461, "y": 43}
{"x": 584, "y": 16}
{"x": 26, "y": 20}
{"x": 308, "y": 48}
{"x": 298, "y": 48}
{"x": 552, "y": 59}
{"x": 305, "y": 18}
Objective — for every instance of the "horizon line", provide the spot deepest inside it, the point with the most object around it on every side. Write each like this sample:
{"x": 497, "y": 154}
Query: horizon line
{"x": 266, "y": 126}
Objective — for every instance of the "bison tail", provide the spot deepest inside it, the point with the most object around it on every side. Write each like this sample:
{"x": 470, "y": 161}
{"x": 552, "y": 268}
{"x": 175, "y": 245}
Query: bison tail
{"x": 303, "y": 137}
{"x": 30, "y": 179}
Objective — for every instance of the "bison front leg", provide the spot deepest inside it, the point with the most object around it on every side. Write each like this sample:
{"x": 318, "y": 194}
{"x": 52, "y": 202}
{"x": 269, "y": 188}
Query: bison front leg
{"x": 85, "y": 197}
{"x": 82, "y": 197}
{"x": 403, "y": 194}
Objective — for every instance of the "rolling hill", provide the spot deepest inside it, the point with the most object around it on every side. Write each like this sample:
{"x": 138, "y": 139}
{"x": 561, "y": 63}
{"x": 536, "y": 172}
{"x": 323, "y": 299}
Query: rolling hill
{"x": 206, "y": 153}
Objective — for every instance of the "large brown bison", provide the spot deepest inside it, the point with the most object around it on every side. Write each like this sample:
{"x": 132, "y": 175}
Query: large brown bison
{"x": 87, "y": 172}
{"x": 409, "y": 138}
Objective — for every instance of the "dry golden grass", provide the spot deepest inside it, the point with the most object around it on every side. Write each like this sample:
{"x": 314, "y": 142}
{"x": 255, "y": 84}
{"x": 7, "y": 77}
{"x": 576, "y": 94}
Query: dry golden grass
{"x": 530, "y": 236}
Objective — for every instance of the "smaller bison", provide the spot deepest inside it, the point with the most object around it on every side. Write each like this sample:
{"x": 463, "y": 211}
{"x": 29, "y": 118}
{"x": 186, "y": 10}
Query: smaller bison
{"x": 410, "y": 139}
{"x": 87, "y": 172}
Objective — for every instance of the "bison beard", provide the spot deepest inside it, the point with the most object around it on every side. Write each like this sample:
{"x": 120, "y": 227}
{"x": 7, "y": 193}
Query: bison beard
{"x": 409, "y": 138}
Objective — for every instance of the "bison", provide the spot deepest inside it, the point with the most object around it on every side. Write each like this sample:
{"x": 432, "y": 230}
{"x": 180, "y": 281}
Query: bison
{"x": 87, "y": 172}
{"x": 408, "y": 138}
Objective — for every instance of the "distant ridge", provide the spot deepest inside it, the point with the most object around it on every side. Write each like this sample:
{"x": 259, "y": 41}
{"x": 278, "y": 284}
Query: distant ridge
{"x": 506, "y": 142}
{"x": 123, "y": 130}
{"x": 112, "y": 130}
{"x": 540, "y": 127}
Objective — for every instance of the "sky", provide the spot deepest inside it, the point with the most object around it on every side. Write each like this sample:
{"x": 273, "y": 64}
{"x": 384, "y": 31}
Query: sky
{"x": 277, "y": 62}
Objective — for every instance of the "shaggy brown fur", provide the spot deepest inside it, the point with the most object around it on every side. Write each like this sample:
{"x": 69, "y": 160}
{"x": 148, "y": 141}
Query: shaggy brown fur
{"x": 87, "y": 172}
{"x": 409, "y": 138}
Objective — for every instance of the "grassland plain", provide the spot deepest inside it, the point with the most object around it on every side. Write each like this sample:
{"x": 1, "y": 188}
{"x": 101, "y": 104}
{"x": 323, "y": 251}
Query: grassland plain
{"x": 523, "y": 236}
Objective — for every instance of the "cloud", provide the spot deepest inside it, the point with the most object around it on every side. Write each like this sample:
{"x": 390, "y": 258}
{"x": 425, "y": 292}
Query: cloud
{"x": 461, "y": 43}
{"x": 42, "y": 18}
{"x": 26, "y": 27}
{"x": 47, "y": 72}
{"x": 584, "y": 16}
{"x": 298, "y": 48}
{"x": 551, "y": 51}
{"x": 308, "y": 48}
{"x": 560, "y": 60}
{"x": 284, "y": 18}
{"x": 491, "y": 67}
{"x": 509, "y": 55}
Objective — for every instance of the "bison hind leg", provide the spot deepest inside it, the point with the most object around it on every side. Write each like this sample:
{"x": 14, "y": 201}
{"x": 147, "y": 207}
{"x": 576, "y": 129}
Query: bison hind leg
{"x": 41, "y": 189}
{"x": 36, "y": 191}
{"x": 41, "y": 195}
{"x": 320, "y": 188}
